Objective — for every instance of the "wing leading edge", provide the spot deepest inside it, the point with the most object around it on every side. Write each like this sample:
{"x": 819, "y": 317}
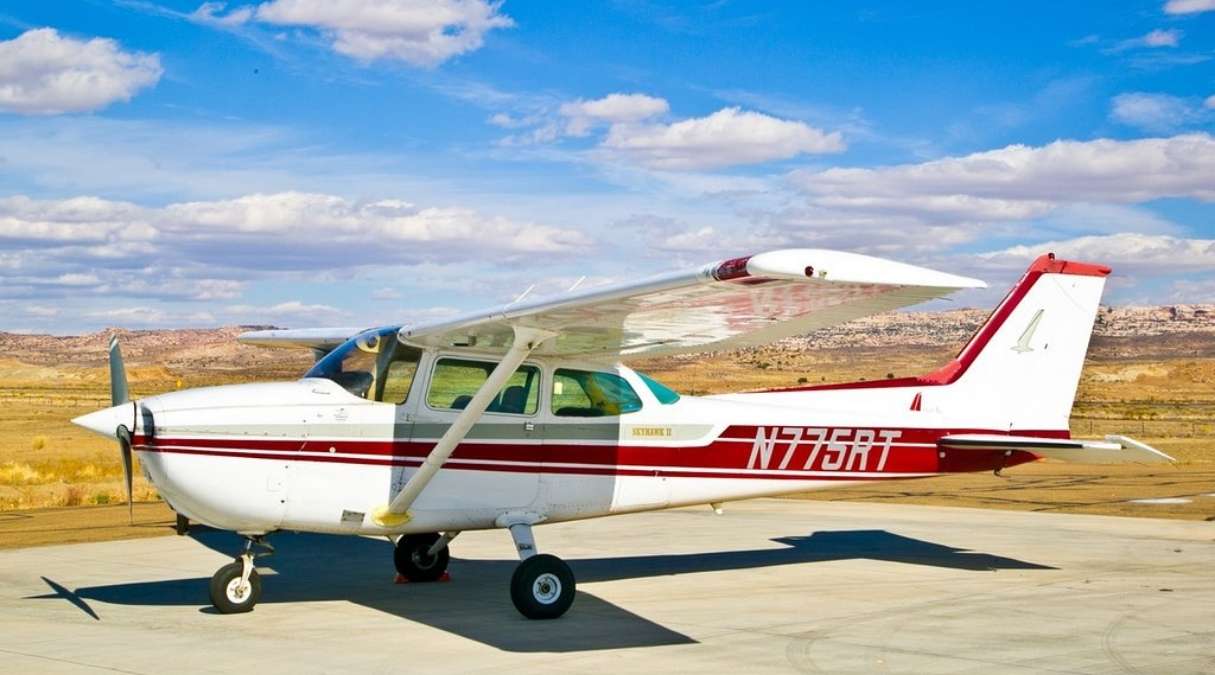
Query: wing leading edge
{"x": 733, "y": 303}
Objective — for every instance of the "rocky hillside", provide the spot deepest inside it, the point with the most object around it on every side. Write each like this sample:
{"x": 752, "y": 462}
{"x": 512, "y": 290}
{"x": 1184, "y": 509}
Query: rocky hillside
{"x": 1178, "y": 330}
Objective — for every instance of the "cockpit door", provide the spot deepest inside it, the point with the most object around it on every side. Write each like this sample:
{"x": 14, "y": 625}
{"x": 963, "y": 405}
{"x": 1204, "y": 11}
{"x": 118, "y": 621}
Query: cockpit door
{"x": 496, "y": 466}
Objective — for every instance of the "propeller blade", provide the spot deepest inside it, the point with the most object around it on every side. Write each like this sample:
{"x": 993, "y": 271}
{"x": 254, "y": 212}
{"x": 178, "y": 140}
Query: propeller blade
{"x": 124, "y": 446}
{"x": 119, "y": 394}
{"x": 118, "y": 374}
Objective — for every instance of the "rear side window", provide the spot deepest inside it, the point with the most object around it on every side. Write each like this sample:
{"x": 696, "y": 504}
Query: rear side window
{"x": 583, "y": 393}
{"x": 662, "y": 392}
{"x": 455, "y": 381}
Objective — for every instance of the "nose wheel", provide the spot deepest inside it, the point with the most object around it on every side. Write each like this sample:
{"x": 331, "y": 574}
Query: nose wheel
{"x": 236, "y": 587}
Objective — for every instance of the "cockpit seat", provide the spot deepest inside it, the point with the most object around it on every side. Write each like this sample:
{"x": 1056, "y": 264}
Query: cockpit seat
{"x": 514, "y": 399}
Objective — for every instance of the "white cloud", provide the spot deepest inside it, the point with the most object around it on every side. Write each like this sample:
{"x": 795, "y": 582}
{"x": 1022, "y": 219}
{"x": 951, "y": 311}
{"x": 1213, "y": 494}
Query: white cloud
{"x": 386, "y": 293}
{"x": 727, "y": 137}
{"x": 76, "y": 220}
{"x": 335, "y": 220}
{"x": 1209, "y": 103}
{"x": 42, "y": 73}
{"x": 42, "y": 311}
{"x": 1153, "y": 40}
{"x": 1194, "y": 290}
{"x": 1189, "y": 6}
{"x": 1162, "y": 38}
{"x": 1019, "y": 181}
{"x": 1153, "y": 112}
{"x": 420, "y": 32}
{"x": 1145, "y": 253}
{"x": 211, "y": 13}
{"x": 611, "y": 109}
{"x": 83, "y": 249}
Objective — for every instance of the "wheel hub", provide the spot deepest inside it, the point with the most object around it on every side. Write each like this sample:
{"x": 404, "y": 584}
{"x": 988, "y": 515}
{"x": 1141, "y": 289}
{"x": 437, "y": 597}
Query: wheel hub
{"x": 546, "y": 588}
{"x": 237, "y": 591}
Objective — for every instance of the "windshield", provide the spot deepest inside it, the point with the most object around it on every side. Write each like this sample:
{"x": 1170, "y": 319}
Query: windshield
{"x": 371, "y": 365}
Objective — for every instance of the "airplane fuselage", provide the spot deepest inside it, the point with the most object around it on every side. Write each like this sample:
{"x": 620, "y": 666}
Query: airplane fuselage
{"x": 310, "y": 456}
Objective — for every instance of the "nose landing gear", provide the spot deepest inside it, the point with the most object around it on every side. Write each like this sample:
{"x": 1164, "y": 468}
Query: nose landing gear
{"x": 236, "y": 587}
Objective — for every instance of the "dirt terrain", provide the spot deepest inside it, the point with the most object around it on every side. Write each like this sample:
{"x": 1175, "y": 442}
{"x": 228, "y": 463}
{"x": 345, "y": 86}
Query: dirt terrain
{"x": 1150, "y": 373}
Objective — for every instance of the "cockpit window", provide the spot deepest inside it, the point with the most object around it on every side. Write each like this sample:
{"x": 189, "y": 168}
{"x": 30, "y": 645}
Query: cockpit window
{"x": 583, "y": 393}
{"x": 371, "y": 365}
{"x": 663, "y": 393}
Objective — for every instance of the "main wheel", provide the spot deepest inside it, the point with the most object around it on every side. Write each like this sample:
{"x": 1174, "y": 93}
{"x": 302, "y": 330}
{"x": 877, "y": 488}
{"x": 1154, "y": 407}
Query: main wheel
{"x": 542, "y": 587}
{"x": 414, "y": 561}
{"x": 227, "y": 594}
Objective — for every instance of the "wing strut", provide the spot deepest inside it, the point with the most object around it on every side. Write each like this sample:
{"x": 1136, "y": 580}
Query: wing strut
{"x": 396, "y": 512}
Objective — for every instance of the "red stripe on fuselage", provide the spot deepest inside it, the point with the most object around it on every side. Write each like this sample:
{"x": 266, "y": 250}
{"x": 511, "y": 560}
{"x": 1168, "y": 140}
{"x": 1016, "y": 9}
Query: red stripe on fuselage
{"x": 790, "y": 451}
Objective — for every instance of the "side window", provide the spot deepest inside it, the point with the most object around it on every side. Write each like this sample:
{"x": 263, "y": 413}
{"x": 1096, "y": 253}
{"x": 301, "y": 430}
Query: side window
{"x": 455, "y": 381}
{"x": 582, "y": 393}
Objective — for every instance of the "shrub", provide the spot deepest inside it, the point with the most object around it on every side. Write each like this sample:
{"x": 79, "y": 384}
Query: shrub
{"x": 39, "y": 442}
{"x": 74, "y": 495}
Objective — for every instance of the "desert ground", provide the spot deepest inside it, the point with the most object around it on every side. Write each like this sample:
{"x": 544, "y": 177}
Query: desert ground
{"x": 1150, "y": 374}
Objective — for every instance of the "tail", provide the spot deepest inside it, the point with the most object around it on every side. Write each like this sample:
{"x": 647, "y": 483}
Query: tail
{"x": 1022, "y": 367}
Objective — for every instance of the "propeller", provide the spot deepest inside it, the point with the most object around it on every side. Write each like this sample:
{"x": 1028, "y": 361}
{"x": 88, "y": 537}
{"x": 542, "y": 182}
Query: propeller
{"x": 119, "y": 394}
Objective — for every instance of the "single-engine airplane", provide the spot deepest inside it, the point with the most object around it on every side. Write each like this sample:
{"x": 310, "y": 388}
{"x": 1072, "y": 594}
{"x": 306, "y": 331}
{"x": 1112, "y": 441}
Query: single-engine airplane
{"x": 522, "y": 415}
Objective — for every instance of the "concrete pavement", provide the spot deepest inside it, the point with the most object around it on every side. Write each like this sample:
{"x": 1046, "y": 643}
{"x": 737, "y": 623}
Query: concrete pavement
{"x": 772, "y": 585}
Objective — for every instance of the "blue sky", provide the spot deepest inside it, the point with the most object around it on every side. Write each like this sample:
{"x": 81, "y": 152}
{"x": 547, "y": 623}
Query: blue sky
{"x": 350, "y": 162}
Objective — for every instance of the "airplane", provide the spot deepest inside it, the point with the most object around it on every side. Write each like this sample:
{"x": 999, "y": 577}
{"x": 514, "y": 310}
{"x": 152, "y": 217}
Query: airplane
{"x": 523, "y": 414}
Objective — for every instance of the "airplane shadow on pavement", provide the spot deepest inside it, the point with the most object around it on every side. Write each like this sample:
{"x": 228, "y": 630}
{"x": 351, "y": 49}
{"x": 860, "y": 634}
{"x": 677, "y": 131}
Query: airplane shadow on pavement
{"x": 476, "y": 604}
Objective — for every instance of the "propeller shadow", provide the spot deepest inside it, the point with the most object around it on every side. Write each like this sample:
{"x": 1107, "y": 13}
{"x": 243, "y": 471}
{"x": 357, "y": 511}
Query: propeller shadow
{"x": 476, "y": 605}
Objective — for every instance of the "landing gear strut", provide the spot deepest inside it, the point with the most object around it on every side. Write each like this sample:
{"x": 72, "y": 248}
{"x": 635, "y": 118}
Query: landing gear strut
{"x": 542, "y": 586}
{"x": 422, "y": 557}
{"x": 236, "y": 587}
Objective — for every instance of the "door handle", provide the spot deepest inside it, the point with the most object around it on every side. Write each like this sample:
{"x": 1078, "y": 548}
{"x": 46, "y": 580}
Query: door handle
{"x": 529, "y": 426}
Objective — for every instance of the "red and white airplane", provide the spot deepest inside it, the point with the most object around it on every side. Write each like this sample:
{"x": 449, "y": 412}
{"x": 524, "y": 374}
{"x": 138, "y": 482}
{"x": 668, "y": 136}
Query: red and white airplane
{"x": 523, "y": 415}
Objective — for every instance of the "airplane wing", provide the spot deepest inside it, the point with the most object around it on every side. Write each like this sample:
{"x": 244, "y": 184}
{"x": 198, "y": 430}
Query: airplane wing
{"x": 319, "y": 339}
{"x": 1113, "y": 450}
{"x": 728, "y": 304}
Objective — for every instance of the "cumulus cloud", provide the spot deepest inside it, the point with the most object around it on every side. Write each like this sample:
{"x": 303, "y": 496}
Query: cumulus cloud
{"x": 43, "y": 73}
{"x": 1143, "y": 253}
{"x": 1158, "y": 113}
{"x": 420, "y": 32}
{"x": 333, "y": 220}
{"x": 611, "y": 109}
{"x": 1209, "y": 103}
{"x": 730, "y": 136}
{"x": 1189, "y": 6}
{"x": 86, "y": 251}
{"x": 1019, "y": 181}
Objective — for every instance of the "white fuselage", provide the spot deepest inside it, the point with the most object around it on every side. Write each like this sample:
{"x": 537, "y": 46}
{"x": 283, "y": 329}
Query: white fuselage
{"x": 308, "y": 455}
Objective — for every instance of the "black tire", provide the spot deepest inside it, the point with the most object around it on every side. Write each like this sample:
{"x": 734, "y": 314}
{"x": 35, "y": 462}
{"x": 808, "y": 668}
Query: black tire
{"x": 542, "y": 587}
{"x": 412, "y": 561}
{"x": 223, "y": 590}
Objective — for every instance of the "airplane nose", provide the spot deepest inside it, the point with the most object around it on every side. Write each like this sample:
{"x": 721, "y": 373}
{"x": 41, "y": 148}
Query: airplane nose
{"x": 106, "y": 422}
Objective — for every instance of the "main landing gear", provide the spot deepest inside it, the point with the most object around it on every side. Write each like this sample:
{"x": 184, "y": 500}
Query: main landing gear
{"x": 236, "y": 587}
{"x": 542, "y": 586}
{"x": 422, "y": 557}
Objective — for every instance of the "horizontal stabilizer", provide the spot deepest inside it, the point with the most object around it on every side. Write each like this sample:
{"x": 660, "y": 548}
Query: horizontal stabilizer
{"x": 1112, "y": 450}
